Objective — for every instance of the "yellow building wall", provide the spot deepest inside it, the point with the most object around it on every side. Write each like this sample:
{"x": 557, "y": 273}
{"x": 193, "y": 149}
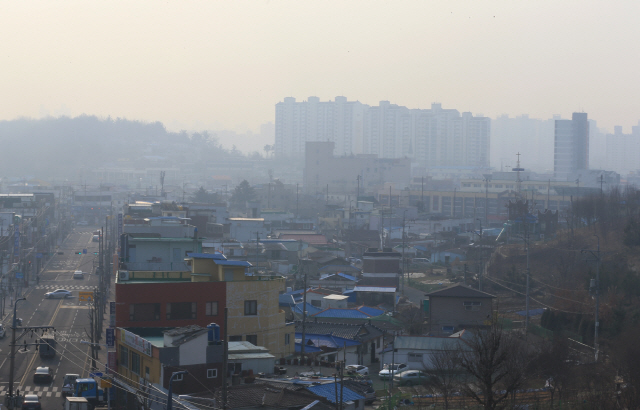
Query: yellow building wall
{"x": 153, "y": 363}
{"x": 269, "y": 324}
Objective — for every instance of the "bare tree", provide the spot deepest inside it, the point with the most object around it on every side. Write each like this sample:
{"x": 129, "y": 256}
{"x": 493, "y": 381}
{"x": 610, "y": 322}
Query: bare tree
{"x": 555, "y": 366}
{"x": 445, "y": 374}
{"x": 492, "y": 359}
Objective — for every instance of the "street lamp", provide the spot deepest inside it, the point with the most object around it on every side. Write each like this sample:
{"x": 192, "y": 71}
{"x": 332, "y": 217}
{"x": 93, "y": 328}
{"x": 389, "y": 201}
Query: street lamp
{"x": 170, "y": 395}
{"x": 13, "y": 352}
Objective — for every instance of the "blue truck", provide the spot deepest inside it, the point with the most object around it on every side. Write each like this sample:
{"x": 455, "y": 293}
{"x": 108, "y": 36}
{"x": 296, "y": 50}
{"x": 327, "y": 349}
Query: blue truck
{"x": 88, "y": 388}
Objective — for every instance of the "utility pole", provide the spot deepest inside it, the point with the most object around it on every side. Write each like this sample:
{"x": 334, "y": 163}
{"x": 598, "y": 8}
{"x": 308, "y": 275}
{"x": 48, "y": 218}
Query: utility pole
{"x": 297, "y": 216}
{"x": 422, "y": 195}
{"x": 404, "y": 214}
{"x": 594, "y": 288}
{"x": 225, "y": 355}
{"x": 526, "y": 241}
{"x": 487, "y": 179}
{"x": 257, "y": 252}
{"x": 480, "y": 268}
{"x": 304, "y": 318}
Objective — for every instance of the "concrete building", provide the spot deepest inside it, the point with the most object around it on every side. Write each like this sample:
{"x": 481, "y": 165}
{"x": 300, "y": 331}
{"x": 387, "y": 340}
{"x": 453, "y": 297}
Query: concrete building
{"x": 623, "y": 150}
{"x": 571, "y": 145}
{"x": 346, "y": 174}
{"x": 339, "y": 121}
{"x": 246, "y": 229}
{"x": 199, "y": 297}
{"x": 457, "y": 308}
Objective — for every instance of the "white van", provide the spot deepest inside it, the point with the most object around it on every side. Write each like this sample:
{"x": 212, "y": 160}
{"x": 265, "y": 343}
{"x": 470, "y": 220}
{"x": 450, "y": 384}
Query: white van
{"x": 78, "y": 274}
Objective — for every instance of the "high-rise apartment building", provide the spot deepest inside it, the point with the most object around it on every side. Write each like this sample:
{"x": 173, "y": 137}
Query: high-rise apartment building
{"x": 339, "y": 121}
{"x": 571, "y": 151}
{"x": 433, "y": 137}
{"x": 623, "y": 150}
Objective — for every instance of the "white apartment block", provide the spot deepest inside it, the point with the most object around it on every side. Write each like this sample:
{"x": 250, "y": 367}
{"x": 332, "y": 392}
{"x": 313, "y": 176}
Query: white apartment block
{"x": 432, "y": 137}
{"x": 338, "y": 121}
{"x": 623, "y": 150}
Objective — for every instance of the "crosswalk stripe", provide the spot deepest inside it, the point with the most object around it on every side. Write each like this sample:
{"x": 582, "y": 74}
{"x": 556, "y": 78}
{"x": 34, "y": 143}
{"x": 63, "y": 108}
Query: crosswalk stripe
{"x": 46, "y": 388}
{"x": 49, "y": 394}
{"x": 54, "y": 389}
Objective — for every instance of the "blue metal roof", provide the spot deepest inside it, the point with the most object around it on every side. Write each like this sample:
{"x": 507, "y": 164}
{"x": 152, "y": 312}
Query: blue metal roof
{"x": 371, "y": 311}
{"x": 343, "y": 313}
{"x": 311, "y": 310}
{"x": 232, "y": 263}
{"x": 331, "y": 341}
{"x": 328, "y": 391}
{"x": 307, "y": 348}
{"x": 215, "y": 256}
{"x": 344, "y": 275}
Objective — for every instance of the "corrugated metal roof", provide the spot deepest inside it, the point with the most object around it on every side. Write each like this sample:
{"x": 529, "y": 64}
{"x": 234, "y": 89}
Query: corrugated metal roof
{"x": 240, "y": 356}
{"x": 232, "y": 263}
{"x": 381, "y": 289}
{"x": 371, "y": 311}
{"x": 328, "y": 391}
{"x": 216, "y": 256}
{"x": 345, "y": 313}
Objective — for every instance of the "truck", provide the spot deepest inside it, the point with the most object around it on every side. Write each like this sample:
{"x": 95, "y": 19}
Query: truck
{"x": 69, "y": 383}
{"x": 88, "y": 388}
{"x": 47, "y": 345}
{"x": 76, "y": 403}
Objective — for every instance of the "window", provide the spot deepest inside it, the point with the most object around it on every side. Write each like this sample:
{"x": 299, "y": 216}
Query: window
{"x": 253, "y": 339}
{"x": 179, "y": 377}
{"x": 212, "y": 373}
{"x": 315, "y": 303}
{"x": 447, "y": 329}
{"x": 135, "y": 363}
{"x": 287, "y": 338}
{"x": 228, "y": 275}
{"x": 124, "y": 356}
{"x": 144, "y": 311}
{"x": 415, "y": 357}
{"x": 235, "y": 338}
{"x": 211, "y": 309}
{"x": 250, "y": 307}
{"x": 181, "y": 310}
{"x": 475, "y": 306}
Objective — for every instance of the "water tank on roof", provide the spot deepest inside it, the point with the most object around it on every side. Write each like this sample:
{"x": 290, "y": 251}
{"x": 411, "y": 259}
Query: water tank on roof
{"x": 214, "y": 333}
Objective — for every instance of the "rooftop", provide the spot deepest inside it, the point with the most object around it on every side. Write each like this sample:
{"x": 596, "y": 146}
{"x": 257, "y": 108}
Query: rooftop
{"x": 459, "y": 291}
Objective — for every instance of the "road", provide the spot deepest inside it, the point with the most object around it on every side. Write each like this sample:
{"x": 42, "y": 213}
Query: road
{"x": 69, "y": 317}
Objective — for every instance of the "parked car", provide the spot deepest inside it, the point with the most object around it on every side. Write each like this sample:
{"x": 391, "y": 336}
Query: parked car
{"x": 421, "y": 260}
{"x": 31, "y": 402}
{"x": 3, "y": 331}
{"x": 410, "y": 378}
{"x": 78, "y": 274}
{"x": 58, "y": 294}
{"x": 43, "y": 375}
{"x": 69, "y": 383}
{"x": 83, "y": 223}
{"x": 388, "y": 370}
{"x": 357, "y": 368}
{"x": 96, "y": 238}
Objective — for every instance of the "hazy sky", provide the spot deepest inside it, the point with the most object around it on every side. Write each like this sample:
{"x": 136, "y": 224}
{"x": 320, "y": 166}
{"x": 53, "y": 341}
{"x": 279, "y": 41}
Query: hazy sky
{"x": 201, "y": 63}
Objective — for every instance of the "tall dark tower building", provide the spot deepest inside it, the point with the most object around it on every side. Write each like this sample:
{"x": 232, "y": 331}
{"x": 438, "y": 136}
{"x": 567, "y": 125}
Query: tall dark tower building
{"x": 571, "y": 151}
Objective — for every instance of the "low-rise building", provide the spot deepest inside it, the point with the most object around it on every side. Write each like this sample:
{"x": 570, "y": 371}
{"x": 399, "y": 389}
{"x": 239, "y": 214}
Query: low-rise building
{"x": 458, "y": 307}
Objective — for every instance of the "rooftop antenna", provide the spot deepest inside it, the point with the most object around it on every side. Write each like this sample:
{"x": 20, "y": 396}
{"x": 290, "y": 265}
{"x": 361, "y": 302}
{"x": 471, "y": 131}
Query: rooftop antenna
{"x": 518, "y": 180}
{"x": 162, "y": 173}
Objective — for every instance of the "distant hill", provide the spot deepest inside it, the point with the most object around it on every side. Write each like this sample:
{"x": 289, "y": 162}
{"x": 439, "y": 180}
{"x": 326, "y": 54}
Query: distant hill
{"x": 67, "y": 147}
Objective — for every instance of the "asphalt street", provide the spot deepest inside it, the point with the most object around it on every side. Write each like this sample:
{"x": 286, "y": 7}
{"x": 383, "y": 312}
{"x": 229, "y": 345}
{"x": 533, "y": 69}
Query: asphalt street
{"x": 68, "y": 316}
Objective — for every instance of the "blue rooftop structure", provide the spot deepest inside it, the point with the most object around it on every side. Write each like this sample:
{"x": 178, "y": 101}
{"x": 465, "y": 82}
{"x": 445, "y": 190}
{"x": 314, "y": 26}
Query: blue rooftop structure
{"x": 311, "y": 310}
{"x": 219, "y": 259}
{"x": 328, "y": 391}
{"x": 317, "y": 340}
{"x": 307, "y": 348}
{"x": 357, "y": 313}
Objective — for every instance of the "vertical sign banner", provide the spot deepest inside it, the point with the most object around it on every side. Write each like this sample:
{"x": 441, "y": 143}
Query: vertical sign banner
{"x": 111, "y": 337}
{"x": 119, "y": 225}
{"x": 112, "y": 314}
{"x": 111, "y": 362}
{"x": 16, "y": 244}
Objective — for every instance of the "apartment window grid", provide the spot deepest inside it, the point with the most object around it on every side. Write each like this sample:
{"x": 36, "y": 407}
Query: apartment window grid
{"x": 250, "y": 307}
{"x": 135, "y": 363}
{"x": 212, "y": 373}
{"x": 124, "y": 357}
{"x": 211, "y": 309}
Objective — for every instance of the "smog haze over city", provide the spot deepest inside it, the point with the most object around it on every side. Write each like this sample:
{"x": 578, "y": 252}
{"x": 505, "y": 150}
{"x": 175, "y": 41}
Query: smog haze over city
{"x": 435, "y": 202}
{"x": 199, "y": 65}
